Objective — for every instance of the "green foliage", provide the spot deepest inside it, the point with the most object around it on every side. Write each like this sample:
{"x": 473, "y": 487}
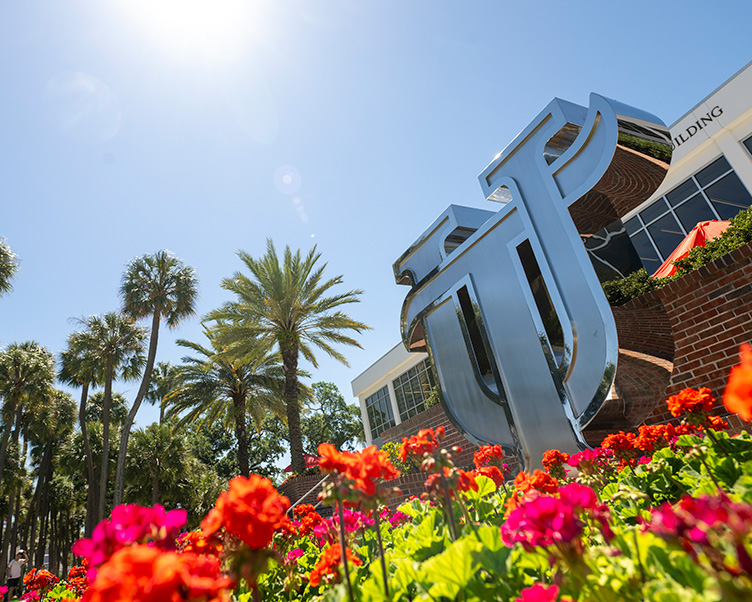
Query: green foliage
{"x": 659, "y": 151}
{"x": 8, "y": 266}
{"x": 330, "y": 419}
{"x": 392, "y": 449}
{"x": 434, "y": 398}
{"x": 638, "y": 283}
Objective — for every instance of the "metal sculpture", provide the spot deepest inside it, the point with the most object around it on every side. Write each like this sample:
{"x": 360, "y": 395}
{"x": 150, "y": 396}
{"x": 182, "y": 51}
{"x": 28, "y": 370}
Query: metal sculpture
{"x": 507, "y": 303}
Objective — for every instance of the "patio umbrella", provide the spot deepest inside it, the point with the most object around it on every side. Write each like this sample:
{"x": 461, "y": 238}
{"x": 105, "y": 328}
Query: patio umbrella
{"x": 310, "y": 461}
{"x": 699, "y": 235}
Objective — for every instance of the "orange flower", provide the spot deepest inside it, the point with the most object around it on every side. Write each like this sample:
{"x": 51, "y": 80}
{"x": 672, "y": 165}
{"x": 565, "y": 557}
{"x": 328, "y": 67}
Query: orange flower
{"x": 544, "y": 482}
{"x": 361, "y": 468}
{"x": 655, "y": 436}
{"x": 717, "y": 423}
{"x": 456, "y": 479}
{"x": 691, "y": 401}
{"x": 486, "y": 454}
{"x": 619, "y": 442}
{"x": 251, "y": 509}
{"x": 426, "y": 441}
{"x": 738, "y": 394}
{"x": 146, "y": 574}
{"x": 554, "y": 461}
{"x": 328, "y": 564}
{"x": 492, "y": 472}
{"x": 195, "y": 542}
{"x": 302, "y": 509}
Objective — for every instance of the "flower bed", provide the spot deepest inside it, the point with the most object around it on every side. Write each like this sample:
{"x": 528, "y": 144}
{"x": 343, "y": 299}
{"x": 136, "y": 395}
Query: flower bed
{"x": 664, "y": 513}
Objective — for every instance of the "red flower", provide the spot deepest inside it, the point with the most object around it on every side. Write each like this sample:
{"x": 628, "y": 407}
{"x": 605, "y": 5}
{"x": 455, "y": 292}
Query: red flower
{"x": 738, "y": 394}
{"x": 361, "y": 468}
{"x": 426, "y": 441}
{"x": 195, "y": 542}
{"x": 539, "y": 593}
{"x": 326, "y": 568}
{"x": 486, "y": 455}
{"x": 251, "y": 509}
{"x": 302, "y": 509}
{"x": 143, "y": 573}
{"x": 492, "y": 472}
{"x": 691, "y": 401}
{"x": 456, "y": 479}
{"x": 654, "y": 436}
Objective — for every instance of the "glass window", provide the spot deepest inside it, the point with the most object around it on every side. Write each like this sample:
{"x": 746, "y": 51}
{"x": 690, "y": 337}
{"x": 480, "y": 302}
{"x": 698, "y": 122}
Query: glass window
{"x": 379, "y": 410}
{"x": 655, "y": 210}
{"x": 694, "y": 211}
{"x": 647, "y": 253}
{"x": 412, "y": 388}
{"x": 632, "y": 225}
{"x": 729, "y": 196}
{"x": 667, "y": 234}
{"x": 748, "y": 144}
{"x": 713, "y": 171}
{"x": 681, "y": 192}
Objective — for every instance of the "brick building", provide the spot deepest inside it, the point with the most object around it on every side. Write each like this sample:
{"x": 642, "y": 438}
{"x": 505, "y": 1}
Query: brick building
{"x": 685, "y": 334}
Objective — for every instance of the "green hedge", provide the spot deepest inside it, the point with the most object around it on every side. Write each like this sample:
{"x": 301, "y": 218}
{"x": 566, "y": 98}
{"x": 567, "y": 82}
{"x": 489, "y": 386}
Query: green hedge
{"x": 638, "y": 283}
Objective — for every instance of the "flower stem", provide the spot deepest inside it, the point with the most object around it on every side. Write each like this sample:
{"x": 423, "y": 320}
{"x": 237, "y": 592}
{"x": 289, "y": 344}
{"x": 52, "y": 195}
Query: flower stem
{"x": 343, "y": 549}
{"x": 448, "y": 507}
{"x": 715, "y": 440}
{"x": 377, "y": 525}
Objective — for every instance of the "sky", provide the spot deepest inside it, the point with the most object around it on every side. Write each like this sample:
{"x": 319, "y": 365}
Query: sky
{"x": 209, "y": 126}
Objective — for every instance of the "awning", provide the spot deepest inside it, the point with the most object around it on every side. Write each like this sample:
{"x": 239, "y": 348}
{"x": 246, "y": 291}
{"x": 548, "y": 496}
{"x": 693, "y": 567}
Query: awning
{"x": 699, "y": 235}
{"x": 310, "y": 461}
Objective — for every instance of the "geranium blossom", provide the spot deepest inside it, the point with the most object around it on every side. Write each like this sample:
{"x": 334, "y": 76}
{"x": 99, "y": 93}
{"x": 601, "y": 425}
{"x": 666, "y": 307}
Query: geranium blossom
{"x": 738, "y": 394}
{"x": 251, "y": 510}
{"x": 425, "y": 442}
{"x": 540, "y": 593}
{"x": 129, "y": 524}
{"x": 488, "y": 454}
{"x": 148, "y": 574}
{"x": 456, "y": 480}
{"x": 327, "y": 567}
{"x": 546, "y": 520}
{"x": 361, "y": 468}
{"x": 691, "y": 401}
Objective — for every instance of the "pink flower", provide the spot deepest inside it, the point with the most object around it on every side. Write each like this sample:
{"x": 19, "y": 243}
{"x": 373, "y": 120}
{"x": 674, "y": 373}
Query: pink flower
{"x": 129, "y": 524}
{"x": 591, "y": 461}
{"x": 539, "y": 593}
{"x": 547, "y": 520}
{"x": 293, "y": 556}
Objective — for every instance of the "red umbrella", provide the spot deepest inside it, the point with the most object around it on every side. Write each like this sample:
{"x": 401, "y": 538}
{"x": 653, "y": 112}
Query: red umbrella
{"x": 700, "y": 234}
{"x": 310, "y": 461}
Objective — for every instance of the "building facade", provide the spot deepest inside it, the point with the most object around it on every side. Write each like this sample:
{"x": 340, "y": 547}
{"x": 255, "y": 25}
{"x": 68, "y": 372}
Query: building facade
{"x": 710, "y": 177}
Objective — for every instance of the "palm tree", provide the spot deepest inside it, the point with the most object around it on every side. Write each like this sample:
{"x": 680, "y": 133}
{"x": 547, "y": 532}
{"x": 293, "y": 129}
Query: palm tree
{"x": 284, "y": 307}
{"x": 80, "y": 367}
{"x": 162, "y": 287}
{"x": 163, "y": 381}
{"x": 8, "y": 266}
{"x": 158, "y": 466}
{"x": 119, "y": 345}
{"x": 27, "y": 370}
{"x": 217, "y": 389}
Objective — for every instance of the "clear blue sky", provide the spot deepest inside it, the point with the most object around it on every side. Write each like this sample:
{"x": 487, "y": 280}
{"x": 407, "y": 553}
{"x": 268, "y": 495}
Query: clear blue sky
{"x": 206, "y": 126}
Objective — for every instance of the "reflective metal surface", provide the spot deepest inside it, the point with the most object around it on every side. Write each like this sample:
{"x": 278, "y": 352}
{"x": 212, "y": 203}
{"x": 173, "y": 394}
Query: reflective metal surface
{"x": 508, "y": 304}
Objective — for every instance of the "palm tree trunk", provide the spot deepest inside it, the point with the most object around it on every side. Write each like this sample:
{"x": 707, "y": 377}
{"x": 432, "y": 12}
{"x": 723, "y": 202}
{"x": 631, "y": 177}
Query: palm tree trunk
{"x": 89, "y": 457}
{"x": 289, "y": 351}
{"x": 106, "y": 403}
{"x": 143, "y": 389}
{"x": 238, "y": 402}
{"x": 11, "y": 411}
{"x": 6, "y": 533}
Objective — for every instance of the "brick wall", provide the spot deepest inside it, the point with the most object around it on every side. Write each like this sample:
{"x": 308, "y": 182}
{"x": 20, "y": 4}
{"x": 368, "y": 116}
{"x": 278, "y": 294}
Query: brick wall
{"x": 686, "y": 334}
{"x": 710, "y": 313}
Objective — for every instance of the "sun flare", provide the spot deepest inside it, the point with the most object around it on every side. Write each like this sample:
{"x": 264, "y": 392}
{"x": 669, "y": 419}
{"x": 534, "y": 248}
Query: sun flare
{"x": 217, "y": 28}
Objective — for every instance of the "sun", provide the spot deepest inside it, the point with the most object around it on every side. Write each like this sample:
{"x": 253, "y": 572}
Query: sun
{"x": 216, "y": 28}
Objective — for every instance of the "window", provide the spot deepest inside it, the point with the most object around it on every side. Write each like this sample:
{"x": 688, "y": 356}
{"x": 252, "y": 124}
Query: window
{"x": 412, "y": 389}
{"x": 380, "y": 415}
{"x": 748, "y": 144}
{"x": 714, "y": 192}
